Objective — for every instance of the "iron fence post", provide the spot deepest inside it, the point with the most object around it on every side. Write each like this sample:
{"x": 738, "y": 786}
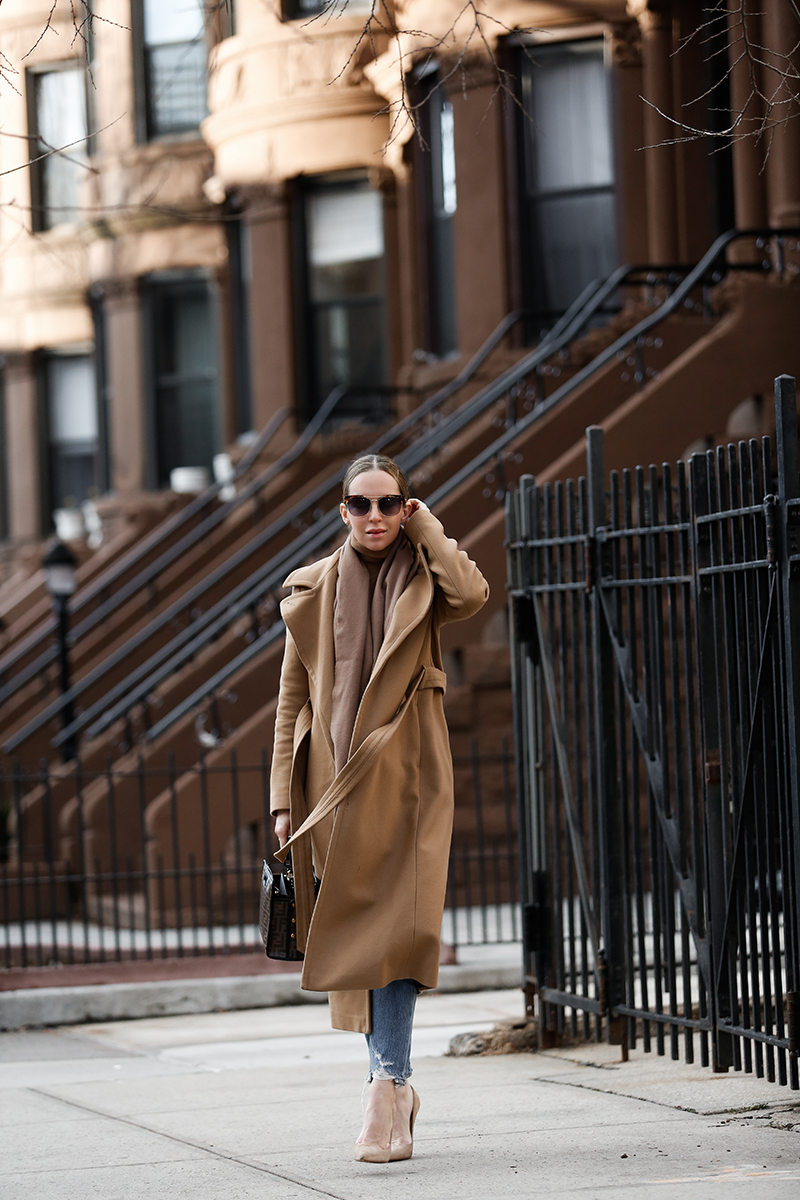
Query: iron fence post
{"x": 611, "y": 840}
{"x": 522, "y": 629}
{"x": 789, "y": 559}
{"x": 715, "y": 798}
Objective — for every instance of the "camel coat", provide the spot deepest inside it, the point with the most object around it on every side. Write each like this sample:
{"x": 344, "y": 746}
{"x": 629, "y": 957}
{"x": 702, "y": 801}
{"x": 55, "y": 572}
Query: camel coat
{"x": 378, "y": 833}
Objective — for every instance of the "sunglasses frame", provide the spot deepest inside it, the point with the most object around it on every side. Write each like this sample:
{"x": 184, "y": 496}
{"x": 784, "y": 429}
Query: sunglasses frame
{"x": 378, "y": 500}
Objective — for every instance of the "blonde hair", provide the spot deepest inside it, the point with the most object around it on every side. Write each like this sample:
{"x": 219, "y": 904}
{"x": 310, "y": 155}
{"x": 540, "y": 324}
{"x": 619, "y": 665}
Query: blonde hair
{"x": 374, "y": 462}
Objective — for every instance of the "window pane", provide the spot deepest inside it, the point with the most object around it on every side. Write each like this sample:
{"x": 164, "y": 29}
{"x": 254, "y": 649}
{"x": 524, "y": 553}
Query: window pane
{"x": 436, "y": 161}
{"x": 72, "y": 410}
{"x": 571, "y": 114}
{"x": 177, "y": 87}
{"x": 350, "y": 342}
{"x": 73, "y": 402}
{"x": 302, "y": 8}
{"x": 569, "y": 232}
{"x": 345, "y": 271}
{"x": 61, "y": 122}
{"x": 344, "y": 225}
{"x": 578, "y": 244}
{"x": 448, "y": 156}
{"x": 172, "y": 21}
{"x": 186, "y": 389}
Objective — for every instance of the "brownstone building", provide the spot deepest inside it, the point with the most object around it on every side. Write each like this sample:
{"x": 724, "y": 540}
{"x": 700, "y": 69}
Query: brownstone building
{"x": 213, "y": 216}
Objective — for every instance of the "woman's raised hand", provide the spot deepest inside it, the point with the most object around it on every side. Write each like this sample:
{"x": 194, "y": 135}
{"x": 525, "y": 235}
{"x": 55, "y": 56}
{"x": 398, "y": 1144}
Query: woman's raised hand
{"x": 282, "y": 826}
{"x": 414, "y": 505}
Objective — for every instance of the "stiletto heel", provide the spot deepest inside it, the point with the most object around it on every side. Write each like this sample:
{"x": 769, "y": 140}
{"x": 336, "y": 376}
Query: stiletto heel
{"x": 374, "y": 1152}
{"x": 403, "y": 1150}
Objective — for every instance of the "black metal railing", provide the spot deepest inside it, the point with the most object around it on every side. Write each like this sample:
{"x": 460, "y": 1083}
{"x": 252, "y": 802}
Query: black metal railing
{"x": 656, "y": 678}
{"x": 199, "y": 519}
{"x": 115, "y": 877}
{"x": 421, "y": 438}
{"x": 522, "y": 394}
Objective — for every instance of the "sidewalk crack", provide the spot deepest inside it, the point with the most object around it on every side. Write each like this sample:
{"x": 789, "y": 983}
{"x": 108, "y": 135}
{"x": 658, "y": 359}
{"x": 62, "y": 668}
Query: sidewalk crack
{"x": 184, "y": 1141}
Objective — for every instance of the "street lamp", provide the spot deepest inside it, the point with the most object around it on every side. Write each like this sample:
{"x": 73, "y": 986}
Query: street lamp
{"x": 59, "y": 569}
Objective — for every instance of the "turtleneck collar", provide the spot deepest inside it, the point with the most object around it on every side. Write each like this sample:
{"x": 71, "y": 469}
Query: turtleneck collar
{"x": 368, "y": 555}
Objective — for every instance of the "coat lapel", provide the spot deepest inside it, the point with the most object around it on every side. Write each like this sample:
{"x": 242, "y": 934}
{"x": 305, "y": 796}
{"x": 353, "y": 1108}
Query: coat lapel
{"x": 308, "y": 615}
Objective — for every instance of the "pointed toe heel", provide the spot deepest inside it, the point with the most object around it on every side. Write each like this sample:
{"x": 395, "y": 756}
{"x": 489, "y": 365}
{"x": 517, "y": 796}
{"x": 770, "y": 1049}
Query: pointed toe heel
{"x": 371, "y": 1153}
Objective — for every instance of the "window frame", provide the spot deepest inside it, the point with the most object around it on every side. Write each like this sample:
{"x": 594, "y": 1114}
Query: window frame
{"x": 37, "y": 165}
{"x": 433, "y": 227}
{"x": 237, "y": 231}
{"x": 150, "y": 284}
{"x": 306, "y": 364}
{"x": 141, "y": 90}
{"x": 531, "y": 259}
{"x": 46, "y": 445}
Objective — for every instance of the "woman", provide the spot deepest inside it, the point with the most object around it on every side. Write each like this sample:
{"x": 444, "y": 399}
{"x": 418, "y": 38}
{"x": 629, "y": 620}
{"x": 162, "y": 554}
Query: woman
{"x": 362, "y": 774}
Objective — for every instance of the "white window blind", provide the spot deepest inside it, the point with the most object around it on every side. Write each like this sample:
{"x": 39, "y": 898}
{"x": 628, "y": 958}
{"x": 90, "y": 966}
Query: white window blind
{"x": 73, "y": 400}
{"x": 172, "y": 21}
{"x": 345, "y": 226}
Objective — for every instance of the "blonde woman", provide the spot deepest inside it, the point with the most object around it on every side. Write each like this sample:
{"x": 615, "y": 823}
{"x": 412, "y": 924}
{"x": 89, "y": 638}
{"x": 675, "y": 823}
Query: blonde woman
{"x": 362, "y": 775}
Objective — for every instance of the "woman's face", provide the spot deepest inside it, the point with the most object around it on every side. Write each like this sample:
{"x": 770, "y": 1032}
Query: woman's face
{"x": 374, "y": 531}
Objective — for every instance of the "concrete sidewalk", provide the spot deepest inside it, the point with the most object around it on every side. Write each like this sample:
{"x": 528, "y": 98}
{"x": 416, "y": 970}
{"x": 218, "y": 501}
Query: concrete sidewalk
{"x": 265, "y": 1103}
{"x": 496, "y": 965}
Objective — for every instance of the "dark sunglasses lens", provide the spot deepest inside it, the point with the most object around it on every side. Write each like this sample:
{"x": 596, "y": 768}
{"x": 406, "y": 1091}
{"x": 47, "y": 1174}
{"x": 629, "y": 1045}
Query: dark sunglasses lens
{"x": 359, "y": 506}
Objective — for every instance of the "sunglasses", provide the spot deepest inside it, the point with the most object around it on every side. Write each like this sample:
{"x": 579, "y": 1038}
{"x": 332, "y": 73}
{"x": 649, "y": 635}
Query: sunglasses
{"x": 361, "y": 506}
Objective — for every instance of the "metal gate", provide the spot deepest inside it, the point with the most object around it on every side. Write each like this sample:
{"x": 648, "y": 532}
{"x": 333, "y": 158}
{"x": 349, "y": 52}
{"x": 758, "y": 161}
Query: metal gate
{"x": 656, "y": 673}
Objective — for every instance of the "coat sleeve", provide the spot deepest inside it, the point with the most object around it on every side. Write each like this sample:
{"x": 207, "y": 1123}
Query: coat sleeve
{"x": 463, "y": 589}
{"x": 292, "y": 695}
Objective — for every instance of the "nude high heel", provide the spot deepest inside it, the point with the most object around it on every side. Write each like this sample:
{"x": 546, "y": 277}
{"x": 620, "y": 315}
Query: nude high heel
{"x": 400, "y": 1150}
{"x": 374, "y": 1152}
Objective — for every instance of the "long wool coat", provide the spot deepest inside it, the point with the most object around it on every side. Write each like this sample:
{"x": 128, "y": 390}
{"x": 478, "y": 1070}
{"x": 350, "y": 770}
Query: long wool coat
{"x": 378, "y": 833}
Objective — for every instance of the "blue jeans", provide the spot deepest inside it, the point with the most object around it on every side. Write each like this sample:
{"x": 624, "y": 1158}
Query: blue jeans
{"x": 389, "y": 1044}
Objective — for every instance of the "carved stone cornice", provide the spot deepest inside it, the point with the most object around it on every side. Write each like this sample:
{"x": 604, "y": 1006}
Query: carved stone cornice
{"x": 651, "y": 15}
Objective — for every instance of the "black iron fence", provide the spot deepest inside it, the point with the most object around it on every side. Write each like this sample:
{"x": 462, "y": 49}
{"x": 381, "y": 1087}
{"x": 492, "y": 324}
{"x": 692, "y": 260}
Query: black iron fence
{"x": 656, "y": 669}
{"x": 139, "y": 864}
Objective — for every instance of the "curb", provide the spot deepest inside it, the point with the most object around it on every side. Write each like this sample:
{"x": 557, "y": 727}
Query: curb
{"x": 28, "y": 1007}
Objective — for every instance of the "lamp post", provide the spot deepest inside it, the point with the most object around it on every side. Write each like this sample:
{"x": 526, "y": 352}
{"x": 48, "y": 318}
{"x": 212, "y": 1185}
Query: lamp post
{"x": 59, "y": 568}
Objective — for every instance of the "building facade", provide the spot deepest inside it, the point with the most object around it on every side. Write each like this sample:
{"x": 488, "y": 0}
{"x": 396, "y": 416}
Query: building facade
{"x": 209, "y": 213}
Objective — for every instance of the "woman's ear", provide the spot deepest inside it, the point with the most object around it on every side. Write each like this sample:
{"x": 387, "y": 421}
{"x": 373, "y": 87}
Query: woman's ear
{"x": 343, "y": 511}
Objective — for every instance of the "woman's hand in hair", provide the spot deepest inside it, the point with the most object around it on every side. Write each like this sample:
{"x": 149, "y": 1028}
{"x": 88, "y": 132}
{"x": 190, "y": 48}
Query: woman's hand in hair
{"x": 282, "y": 826}
{"x": 412, "y": 506}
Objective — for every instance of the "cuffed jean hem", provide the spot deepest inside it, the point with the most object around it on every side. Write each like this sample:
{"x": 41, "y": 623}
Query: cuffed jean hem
{"x": 399, "y": 1081}
{"x": 389, "y": 1043}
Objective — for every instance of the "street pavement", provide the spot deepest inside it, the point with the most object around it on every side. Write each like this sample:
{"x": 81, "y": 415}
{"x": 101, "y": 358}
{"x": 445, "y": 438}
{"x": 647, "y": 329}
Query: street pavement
{"x": 265, "y": 1103}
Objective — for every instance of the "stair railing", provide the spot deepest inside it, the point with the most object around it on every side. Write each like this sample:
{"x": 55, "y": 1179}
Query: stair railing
{"x": 140, "y": 683}
{"x": 704, "y": 274}
{"x": 249, "y": 594}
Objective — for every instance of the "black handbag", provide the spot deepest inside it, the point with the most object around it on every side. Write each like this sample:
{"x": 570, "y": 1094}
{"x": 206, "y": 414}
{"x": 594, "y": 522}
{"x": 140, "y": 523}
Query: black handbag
{"x": 277, "y": 915}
